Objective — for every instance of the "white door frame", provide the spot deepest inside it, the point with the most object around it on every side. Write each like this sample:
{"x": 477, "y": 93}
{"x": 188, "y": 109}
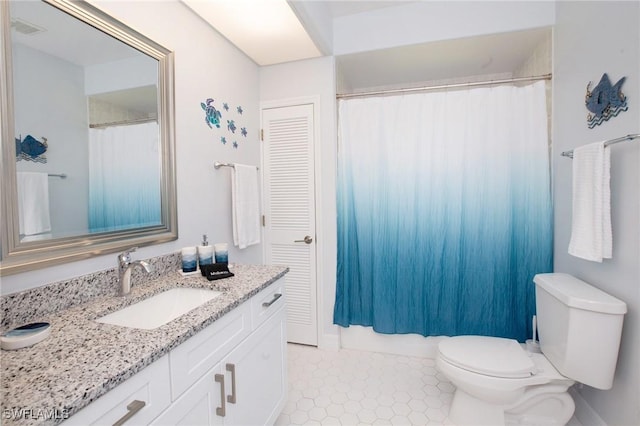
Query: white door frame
{"x": 315, "y": 101}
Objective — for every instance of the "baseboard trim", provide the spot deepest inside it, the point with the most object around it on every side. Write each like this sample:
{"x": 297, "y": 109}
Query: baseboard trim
{"x": 329, "y": 342}
{"x": 586, "y": 415}
{"x": 365, "y": 339}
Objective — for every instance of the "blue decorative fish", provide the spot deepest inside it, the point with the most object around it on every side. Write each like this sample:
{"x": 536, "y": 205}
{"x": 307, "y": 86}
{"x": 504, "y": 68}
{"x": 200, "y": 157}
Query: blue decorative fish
{"x": 605, "y": 101}
{"x": 240, "y": 110}
{"x": 235, "y": 144}
{"x": 212, "y": 115}
{"x": 31, "y": 149}
{"x": 225, "y": 106}
{"x": 223, "y": 140}
{"x": 231, "y": 125}
{"x": 243, "y": 131}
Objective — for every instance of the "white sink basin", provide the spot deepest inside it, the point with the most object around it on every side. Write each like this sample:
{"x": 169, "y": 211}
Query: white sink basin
{"x": 160, "y": 309}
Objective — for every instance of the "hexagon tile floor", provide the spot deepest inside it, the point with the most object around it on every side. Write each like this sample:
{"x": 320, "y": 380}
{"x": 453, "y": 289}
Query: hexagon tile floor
{"x": 349, "y": 388}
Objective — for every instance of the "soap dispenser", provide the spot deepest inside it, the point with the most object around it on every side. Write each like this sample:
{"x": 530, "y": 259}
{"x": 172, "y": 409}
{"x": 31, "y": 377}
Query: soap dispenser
{"x": 205, "y": 252}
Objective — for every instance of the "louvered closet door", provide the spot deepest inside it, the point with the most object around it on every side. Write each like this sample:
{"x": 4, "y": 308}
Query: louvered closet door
{"x": 290, "y": 212}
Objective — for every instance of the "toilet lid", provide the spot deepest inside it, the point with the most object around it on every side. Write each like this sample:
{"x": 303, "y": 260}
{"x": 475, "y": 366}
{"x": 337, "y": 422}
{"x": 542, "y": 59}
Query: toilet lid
{"x": 491, "y": 356}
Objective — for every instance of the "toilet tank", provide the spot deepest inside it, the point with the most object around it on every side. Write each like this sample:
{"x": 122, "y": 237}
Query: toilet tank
{"x": 579, "y": 328}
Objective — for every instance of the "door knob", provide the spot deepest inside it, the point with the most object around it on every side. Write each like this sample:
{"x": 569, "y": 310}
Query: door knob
{"x": 307, "y": 240}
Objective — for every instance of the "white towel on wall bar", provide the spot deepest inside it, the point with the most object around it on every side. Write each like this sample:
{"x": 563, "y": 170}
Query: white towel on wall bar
{"x": 591, "y": 237}
{"x": 245, "y": 205}
{"x": 33, "y": 203}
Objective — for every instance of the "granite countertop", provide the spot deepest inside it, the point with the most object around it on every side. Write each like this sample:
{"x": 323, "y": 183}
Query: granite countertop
{"x": 82, "y": 359}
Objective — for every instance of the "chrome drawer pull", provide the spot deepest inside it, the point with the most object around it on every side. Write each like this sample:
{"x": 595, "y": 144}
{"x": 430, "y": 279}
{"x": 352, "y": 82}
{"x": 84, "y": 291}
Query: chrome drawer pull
{"x": 132, "y": 409}
{"x": 275, "y": 297}
{"x": 222, "y": 410}
{"x": 232, "y": 398}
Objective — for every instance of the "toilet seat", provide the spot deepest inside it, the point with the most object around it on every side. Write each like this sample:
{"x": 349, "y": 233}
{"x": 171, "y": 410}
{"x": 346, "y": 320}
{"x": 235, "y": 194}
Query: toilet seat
{"x": 500, "y": 383}
{"x": 489, "y": 356}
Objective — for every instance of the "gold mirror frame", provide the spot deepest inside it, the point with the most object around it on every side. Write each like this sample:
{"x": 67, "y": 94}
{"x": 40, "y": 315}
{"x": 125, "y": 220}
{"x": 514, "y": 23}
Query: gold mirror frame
{"x": 20, "y": 256}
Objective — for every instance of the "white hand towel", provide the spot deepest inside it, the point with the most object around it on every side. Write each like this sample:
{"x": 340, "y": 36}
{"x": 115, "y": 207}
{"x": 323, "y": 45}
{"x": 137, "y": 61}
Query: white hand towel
{"x": 33, "y": 203}
{"x": 245, "y": 205}
{"x": 591, "y": 237}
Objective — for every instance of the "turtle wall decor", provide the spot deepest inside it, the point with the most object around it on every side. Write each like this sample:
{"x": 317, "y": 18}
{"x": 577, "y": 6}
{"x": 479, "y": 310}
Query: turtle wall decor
{"x": 214, "y": 120}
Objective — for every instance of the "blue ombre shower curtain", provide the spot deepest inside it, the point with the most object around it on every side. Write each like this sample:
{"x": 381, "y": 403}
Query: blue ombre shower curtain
{"x": 124, "y": 177}
{"x": 444, "y": 211}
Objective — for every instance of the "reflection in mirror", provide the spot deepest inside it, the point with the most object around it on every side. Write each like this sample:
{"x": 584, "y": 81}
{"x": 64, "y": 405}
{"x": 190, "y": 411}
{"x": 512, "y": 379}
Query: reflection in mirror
{"x": 98, "y": 114}
{"x": 91, "y": 169}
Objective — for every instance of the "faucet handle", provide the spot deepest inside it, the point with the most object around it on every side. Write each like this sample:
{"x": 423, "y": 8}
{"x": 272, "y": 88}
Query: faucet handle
{"x": 125, "y": 256}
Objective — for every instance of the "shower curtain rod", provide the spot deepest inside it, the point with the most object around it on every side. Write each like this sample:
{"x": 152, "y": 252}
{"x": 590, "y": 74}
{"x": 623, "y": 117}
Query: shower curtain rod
{"x": 607, "y": 143}
{"x": 444, "y": 86}
{"x": 122, "y": 123}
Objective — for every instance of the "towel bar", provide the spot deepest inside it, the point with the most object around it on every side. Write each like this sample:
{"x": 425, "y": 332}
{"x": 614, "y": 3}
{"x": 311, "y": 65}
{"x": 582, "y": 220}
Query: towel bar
{"x": 218, "y": 164}
{"x": 607, "y": 143}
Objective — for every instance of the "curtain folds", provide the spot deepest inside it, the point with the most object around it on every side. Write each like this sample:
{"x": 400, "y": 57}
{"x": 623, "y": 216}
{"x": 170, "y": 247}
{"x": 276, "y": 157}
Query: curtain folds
{"x": 124, "y": 177}
{"x": 444, "y": 211}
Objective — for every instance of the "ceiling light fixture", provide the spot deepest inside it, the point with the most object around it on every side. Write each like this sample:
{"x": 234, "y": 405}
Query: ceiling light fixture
{"x": 265, "y": 30}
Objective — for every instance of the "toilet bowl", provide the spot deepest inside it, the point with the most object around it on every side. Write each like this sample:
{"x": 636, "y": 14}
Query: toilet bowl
{"x": 499, "y": 383}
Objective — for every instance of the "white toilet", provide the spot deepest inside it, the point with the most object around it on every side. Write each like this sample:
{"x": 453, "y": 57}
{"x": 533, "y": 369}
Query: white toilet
{"x": 500, "y": 383}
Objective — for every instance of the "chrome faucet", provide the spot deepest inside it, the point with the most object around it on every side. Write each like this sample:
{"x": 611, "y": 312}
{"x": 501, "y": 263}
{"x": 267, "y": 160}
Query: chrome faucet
{"x": 125, "y": 265}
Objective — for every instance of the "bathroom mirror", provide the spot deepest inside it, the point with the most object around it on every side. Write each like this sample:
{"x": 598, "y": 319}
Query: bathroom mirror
{"x": 87, "y": 135}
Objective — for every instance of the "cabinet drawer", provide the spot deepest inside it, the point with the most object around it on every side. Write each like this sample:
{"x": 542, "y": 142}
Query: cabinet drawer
{"x": 150, "y": 386}
{"x": 198, "y": 354}
{"x": 267, "y": 302}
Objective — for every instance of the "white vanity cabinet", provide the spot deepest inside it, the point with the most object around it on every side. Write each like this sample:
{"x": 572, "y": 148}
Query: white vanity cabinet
{"x": 136, "y": 401}
{"x": 231, "y": 373}
{"x": 258, "y": 373}
{"x": 248, "y": 387}
{"x": 245, "y": 382}
{"x": 199, "y": 405}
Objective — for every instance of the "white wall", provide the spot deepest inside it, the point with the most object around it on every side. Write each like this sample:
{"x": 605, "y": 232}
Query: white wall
{"x": 206, "y": 65}
{"x": 286, "y": 84}
{"x": 423, "y": 21}
{"x": 125, "y": 74}
{"x": 591, "y": 38}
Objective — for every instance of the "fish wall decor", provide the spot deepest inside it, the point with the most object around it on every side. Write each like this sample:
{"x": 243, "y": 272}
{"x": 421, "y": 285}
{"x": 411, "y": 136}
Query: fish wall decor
{"x": 31, "y": 149}
{"x": 604, "y": 101}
